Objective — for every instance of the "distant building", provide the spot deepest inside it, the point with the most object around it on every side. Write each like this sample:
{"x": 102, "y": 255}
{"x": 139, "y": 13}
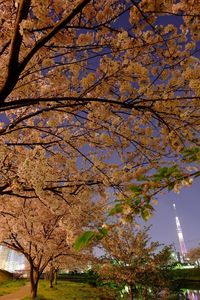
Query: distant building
{"x": 11, "y": 261}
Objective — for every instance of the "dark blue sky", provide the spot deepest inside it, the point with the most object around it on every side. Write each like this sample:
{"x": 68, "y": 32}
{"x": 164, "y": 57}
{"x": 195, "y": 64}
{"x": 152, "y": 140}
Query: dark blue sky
{"x": 188, "y": 209}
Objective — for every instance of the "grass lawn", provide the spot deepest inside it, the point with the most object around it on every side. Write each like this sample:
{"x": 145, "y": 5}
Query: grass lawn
{"x": 10, "y": 286}
{"x": 66, "y": 290}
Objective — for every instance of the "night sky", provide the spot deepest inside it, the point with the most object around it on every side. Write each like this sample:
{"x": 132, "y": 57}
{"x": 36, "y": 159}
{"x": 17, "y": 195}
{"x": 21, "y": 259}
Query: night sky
{"x": 188, "y": 209}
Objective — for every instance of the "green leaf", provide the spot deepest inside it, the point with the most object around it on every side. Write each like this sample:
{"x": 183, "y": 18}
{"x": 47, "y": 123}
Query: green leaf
{"x": 145, "y": 214}
{"x": 136, "y": 189}
{"x": 84, "y": 240}
{"x": 142, "y": 178}
{"x": 117, "y": 201}
{"x": 138, "y": 201}
{"x": 163, "y": 171}
{"x": 129, "y": 218}
{"x": 99, "y": 237}
{"x": 191, "y": 154}
{"x": 102, "y": 232}
{"x": 167, "y": 173}
{"x": 147, "y": 199}
{"x": 149, "y": 206}
{"x": 115, "y": 210}
{"x": 170, "y": 186}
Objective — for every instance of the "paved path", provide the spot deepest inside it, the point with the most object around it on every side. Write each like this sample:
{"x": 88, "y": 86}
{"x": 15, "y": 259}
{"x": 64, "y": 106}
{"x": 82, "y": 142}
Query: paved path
{"x": 19, "y": 294}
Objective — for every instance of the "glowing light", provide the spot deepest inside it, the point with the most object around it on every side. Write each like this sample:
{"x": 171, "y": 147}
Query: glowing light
{"x": 183, "y": 249}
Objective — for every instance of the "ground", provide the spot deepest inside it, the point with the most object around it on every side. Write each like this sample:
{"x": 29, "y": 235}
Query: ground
{"x": 17, "y": 295}
{"x": 64, "y": 290}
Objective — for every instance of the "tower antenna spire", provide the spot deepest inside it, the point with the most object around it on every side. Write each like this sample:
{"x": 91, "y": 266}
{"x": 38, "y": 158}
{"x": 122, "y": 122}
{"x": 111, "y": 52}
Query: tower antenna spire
{"x": 183, "y": 249}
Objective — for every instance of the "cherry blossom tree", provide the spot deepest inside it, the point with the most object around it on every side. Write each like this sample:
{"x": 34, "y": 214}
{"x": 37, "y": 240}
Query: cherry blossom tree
{"x": 94, "y": 95}
{"x": 108, "y": 88}
{"x": 132, "y": 260}
{"x": 44, "y": 232}
{"x": 194, "y": 255}
{"x": 76, "y": 261}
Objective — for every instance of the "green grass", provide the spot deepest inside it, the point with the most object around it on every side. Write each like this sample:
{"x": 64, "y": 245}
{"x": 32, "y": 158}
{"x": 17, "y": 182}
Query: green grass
{"x": 10, "y": 286}
{"x": 66, "y": 290}
{"x": 186, "y": 274}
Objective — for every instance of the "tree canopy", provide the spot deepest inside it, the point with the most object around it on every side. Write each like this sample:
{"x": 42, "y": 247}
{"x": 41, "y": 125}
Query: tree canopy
{"x": 194, "y": 255}
{"x": 45, "y": 231}
{"x": 132, "y": 260}
{"x": 94, "y": 96}
{"x": 109, "y": 87}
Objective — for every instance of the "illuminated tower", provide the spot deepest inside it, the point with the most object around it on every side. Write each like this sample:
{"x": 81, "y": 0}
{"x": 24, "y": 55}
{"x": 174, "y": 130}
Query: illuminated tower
{"x": 183, "y": 249}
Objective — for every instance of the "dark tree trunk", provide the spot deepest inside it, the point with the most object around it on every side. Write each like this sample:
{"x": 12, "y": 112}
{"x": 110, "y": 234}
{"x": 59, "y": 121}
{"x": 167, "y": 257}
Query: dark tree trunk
{"x": 55, "y": 277}
{"x": 51, "y": 281}
{"x": 131, "y": 292}
{"x": 34, "y": 278}
{"x": 51, "y": 277}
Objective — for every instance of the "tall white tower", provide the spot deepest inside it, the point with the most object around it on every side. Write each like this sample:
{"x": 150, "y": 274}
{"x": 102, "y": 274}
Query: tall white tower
{"x": 183, "y": 249}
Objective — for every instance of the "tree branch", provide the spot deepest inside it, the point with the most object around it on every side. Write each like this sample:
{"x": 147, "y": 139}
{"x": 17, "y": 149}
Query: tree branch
{"x": 60, "y": 25}
{"x": 14, "y": 67}
{"x": 16, "y": 41}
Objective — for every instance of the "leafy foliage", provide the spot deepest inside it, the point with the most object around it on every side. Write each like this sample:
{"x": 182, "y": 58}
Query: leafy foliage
{"x": 132, "y": 260}
{"x": 89, "y": 236}
{"x": 147, "y": 186}
{"x": 191, "y": 154}
{"x": 84, "y": 239}
{"x": 194, "y": 255}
